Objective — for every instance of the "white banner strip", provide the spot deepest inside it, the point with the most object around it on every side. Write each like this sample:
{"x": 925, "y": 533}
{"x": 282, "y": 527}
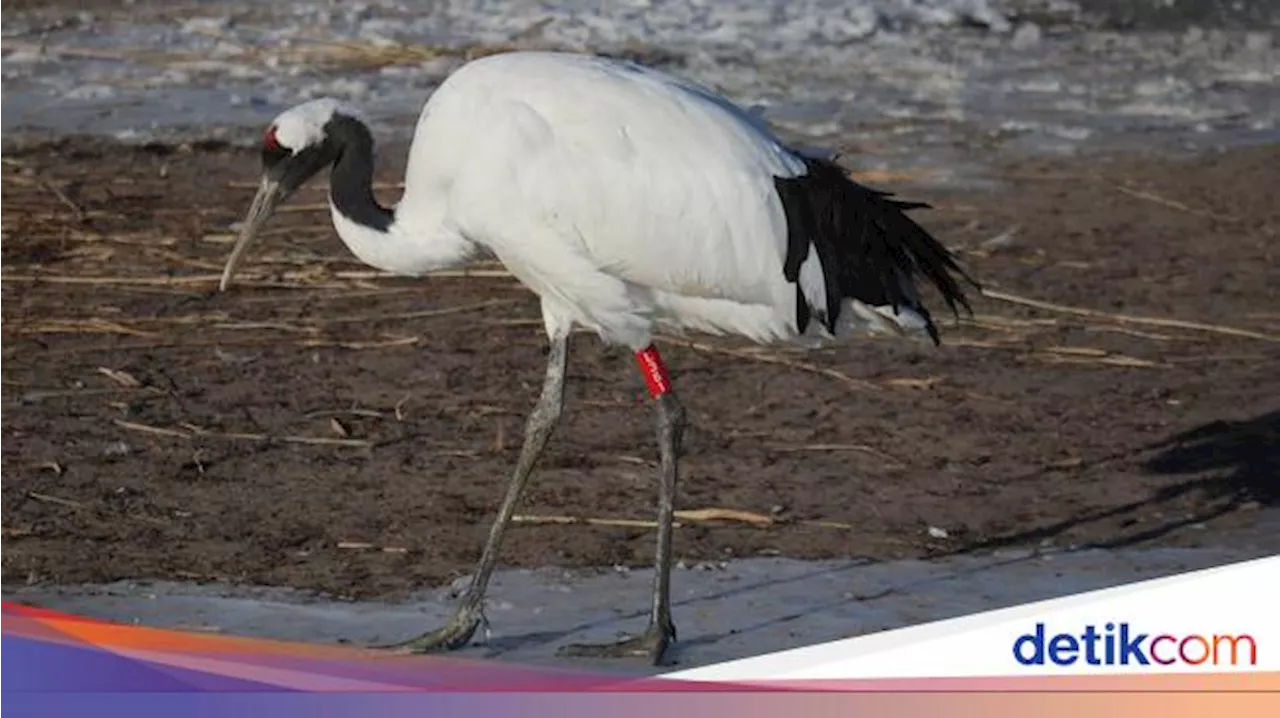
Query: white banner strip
{"x": 1221, "y": 619}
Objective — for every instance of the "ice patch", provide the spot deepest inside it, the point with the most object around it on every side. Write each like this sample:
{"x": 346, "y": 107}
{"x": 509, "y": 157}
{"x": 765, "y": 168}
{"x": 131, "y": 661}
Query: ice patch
{"x": 90, "y": 92}
{"x": 911, "y": 76}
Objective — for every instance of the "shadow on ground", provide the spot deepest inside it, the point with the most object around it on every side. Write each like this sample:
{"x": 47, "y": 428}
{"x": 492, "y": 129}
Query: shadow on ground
{"x": 1241, "y": 458}
{"x": 1230, "y": 466}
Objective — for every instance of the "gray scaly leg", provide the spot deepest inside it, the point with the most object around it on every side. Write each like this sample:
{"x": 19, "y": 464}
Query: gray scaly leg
{"x": 541, "y": 423}
{"x": 671, "y": 423}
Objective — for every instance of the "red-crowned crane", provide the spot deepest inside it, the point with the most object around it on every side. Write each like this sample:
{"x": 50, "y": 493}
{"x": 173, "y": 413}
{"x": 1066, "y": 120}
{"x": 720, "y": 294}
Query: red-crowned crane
{"x": 626, "y": 199}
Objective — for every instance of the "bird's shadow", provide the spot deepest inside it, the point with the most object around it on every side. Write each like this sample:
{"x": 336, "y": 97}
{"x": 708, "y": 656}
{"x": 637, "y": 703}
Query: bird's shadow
{"x": 1226, "y": 465}
{"x": 1230, "y": 464}
{"x": 1241, "y": 458}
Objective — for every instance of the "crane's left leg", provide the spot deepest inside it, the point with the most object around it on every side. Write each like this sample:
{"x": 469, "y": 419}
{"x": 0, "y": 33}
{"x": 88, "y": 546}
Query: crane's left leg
{"x": 546, "y": 414}
{"x": 671, "y": 423}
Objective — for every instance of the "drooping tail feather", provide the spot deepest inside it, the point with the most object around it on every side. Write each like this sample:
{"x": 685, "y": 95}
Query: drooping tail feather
{"x": 869, "y": 249}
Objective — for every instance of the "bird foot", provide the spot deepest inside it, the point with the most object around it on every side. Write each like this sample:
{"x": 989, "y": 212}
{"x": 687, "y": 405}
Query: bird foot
{"x": 453, "y": 635}
{"x": 650, "y": 645}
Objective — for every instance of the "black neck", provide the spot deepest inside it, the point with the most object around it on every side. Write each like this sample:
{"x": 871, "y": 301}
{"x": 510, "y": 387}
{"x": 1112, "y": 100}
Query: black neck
{"x": 351, "y": 181}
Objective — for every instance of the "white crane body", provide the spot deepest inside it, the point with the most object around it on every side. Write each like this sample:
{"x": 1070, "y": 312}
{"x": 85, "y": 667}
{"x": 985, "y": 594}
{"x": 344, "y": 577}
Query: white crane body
{"x": 627, "y": 199}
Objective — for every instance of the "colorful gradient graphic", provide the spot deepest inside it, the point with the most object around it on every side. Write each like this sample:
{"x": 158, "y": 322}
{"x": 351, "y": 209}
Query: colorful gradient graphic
{"x": 57, "y": 664}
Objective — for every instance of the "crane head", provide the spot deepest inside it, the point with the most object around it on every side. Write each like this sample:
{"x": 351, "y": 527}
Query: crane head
{"x": 295, "y": 147}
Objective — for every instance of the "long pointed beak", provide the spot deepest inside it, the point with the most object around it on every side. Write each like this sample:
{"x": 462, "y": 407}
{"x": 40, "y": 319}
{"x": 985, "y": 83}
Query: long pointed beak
{"x": 264, "y": 204}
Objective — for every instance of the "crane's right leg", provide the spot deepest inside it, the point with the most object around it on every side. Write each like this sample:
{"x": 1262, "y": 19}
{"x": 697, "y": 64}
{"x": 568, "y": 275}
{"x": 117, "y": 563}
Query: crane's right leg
{"x": 470, "y": 612}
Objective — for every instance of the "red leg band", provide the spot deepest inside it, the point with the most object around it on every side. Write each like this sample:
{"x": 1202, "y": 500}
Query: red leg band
{"x": 655, "y": 373}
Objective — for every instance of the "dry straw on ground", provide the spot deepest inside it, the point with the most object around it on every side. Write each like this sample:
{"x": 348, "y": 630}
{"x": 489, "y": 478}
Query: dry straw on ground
{"x": 117, "y": 265}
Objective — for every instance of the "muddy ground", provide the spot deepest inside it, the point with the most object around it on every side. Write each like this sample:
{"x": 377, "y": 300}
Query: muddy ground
{"x": 324, "y": 428}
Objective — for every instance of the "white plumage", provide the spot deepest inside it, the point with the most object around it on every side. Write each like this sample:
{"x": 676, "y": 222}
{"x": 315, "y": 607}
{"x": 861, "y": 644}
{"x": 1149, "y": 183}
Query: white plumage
{"x": 627, "y": 199}
{"x": 620, "y": 195}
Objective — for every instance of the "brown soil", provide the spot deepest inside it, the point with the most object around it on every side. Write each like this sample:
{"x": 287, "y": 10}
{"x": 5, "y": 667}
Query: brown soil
{"x": 1030, "y": 425}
